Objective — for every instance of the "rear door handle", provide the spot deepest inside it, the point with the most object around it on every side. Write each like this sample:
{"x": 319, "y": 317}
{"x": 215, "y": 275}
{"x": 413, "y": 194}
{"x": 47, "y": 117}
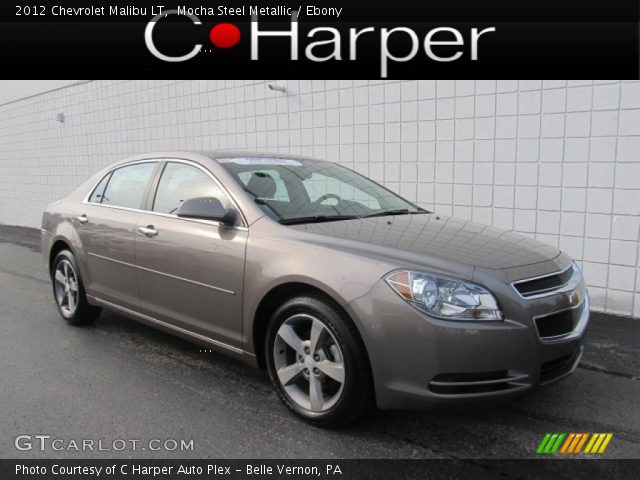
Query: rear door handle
{"x": 82, "y": 219}
{"x": 148, "y": 231}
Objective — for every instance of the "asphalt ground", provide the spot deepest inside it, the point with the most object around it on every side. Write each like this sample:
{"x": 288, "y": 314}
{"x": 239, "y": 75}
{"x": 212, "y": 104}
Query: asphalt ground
{"x": 119, "y": 379}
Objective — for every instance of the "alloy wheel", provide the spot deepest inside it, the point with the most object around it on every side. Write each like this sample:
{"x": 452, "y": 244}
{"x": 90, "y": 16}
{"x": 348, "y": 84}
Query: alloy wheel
{"x": 309, "y": 363}
{"x": 66, "y": 287}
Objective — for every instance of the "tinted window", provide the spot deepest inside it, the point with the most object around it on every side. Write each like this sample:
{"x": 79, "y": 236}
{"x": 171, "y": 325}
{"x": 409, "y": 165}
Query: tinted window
{"x": 180, "y": 182}
{"x": 96, "y": 196}
{"x": 127, "y": 185}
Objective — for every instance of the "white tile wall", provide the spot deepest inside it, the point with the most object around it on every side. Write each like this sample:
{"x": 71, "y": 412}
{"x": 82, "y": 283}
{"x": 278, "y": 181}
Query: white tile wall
{"x": 11, "y": 90}
{"x": 555, "y": 160}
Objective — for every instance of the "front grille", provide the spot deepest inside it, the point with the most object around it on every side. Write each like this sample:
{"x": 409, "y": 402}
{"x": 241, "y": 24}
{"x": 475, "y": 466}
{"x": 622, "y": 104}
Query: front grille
{"x": 559, "y": 323}
{"x": 559, "y": 367}
{"x": 476, "y": 383}
{"x": 529, "y": 288}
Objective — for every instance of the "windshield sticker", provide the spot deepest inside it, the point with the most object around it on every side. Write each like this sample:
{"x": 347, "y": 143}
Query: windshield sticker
{"x": 262, "y": 161}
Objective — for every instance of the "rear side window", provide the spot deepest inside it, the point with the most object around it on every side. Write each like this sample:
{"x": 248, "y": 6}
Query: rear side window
{"x": 179, "y": 182}
{"x": 127, "y": 185}
{"x": 98, "y": 192}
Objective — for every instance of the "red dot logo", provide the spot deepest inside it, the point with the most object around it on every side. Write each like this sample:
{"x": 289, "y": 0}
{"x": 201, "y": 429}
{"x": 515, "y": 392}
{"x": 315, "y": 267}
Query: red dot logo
{"x": 224, "y": 35}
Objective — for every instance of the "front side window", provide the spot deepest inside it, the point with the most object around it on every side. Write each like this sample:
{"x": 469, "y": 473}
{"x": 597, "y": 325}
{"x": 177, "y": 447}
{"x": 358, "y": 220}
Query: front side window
{"x": 127, "y": 185}
{"x": 180, "y": 182}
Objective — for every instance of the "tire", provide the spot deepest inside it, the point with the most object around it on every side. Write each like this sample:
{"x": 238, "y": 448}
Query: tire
{"x": 68, "y": 291}
{"x": 293, "y": 370}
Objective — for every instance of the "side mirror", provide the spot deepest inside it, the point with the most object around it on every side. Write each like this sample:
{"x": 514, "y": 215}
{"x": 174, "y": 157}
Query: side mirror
{"x": 207, "y": 208}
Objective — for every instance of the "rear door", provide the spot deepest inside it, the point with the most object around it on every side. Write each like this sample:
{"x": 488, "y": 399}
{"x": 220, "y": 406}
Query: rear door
{"x": 190, "y": 271}
{"x": 106, "y": 229}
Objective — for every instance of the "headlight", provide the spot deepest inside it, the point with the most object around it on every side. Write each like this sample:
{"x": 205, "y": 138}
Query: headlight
{"x": 445, "y": 297}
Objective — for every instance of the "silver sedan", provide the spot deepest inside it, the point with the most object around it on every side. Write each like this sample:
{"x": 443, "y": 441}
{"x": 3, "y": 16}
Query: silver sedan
{"x": 347, "y": 294}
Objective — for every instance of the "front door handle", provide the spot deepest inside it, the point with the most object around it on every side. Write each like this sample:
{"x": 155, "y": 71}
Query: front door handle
{"x": 148, "y": 231}
{"x": 82, "y": 219}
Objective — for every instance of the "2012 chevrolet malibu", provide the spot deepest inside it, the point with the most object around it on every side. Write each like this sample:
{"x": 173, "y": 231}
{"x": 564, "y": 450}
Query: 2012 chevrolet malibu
{"x": 347, "y": 294}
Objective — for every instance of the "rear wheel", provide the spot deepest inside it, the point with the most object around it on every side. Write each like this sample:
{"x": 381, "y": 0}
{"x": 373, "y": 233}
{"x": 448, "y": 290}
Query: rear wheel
{"x": 68, "y": 291}
{"x": 317, "y": 362}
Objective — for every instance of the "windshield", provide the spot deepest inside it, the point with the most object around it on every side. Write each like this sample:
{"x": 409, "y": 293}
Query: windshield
{"x": 301, "y": 190}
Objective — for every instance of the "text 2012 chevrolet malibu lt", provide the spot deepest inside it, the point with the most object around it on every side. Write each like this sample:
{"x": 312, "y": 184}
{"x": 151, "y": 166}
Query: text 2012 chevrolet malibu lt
{"x": 349, "y": 295}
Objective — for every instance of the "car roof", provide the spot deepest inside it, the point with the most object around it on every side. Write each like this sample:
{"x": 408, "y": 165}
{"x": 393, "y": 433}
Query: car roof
{"x": 217, "y": 154}
{"x": 214, "y": 155}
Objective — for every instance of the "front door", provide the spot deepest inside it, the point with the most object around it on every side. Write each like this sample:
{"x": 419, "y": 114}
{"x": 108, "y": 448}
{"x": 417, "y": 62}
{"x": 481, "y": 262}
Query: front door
{"x": 190, "y": 272}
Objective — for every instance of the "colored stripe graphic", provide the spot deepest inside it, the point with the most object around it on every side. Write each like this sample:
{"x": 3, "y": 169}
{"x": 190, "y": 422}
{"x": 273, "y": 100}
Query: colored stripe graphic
{"x": 572, "y": 443}
{"x": 568, "y": 442}
{"x": 581, "y": 443}
{"x": 543, "y": 443}
{"x": 556, "y": 445}
{"x": 576, "y": 443}
{"x": 596, "y": 447}
{"x": 592, "y": 441}
{"x": 550, "y": 443}
{"x": 605, "y": 443}
{"x": 598, "y": 443}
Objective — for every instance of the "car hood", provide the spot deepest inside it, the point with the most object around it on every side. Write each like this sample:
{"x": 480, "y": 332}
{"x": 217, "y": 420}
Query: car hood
{"x": 445, "y": 238}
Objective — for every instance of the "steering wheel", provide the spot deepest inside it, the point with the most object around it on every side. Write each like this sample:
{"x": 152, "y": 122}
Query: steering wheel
{"x": 327, "y": 196}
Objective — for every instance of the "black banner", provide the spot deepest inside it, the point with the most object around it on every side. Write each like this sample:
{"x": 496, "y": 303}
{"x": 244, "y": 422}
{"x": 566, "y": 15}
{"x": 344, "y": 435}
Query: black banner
{"x": 456, "y": 39}
{"x": 314, "y": 469}
{"x": 321, "y": 10}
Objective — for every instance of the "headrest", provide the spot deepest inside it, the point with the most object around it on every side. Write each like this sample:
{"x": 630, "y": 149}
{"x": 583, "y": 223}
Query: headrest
{"x": 262, "y": 185}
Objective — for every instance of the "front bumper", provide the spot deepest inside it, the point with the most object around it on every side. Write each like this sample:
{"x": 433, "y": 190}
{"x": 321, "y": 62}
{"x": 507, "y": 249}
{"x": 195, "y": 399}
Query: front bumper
{"x": 418, "y": 360}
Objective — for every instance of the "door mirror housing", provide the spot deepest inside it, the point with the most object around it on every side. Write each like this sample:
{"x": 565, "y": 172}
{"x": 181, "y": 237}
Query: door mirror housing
{"x": 207, "y": 208}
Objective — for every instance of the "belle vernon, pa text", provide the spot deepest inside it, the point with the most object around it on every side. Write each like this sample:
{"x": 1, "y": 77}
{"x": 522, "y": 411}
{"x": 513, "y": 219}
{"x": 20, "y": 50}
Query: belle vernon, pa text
{"x": 152, "y": 470}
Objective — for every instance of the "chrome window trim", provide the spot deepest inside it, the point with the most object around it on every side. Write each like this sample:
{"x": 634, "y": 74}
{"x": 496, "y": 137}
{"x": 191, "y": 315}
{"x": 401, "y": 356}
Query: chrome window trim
{"x": 224, "y": 190}
{"x": 576, "y": 332}
{"x": 565, "y": 287}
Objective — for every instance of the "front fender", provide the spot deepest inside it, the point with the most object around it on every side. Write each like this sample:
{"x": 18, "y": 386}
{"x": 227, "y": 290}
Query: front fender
{"x": 270, "y": 264}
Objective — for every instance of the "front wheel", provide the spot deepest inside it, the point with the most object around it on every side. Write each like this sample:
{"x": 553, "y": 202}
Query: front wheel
{"x": 317, "y": 362}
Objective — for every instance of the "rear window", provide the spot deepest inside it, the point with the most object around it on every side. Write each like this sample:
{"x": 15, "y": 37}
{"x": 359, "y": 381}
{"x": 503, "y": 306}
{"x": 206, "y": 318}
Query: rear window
{"x": 127, "y": 185}
{"x": 98, "y": 192}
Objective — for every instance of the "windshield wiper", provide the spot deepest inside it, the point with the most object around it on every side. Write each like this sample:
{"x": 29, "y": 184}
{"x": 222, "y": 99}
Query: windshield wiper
{"x": 398, "y": 211}
{"x": 316, "y": 219}
{"x": 384, "y": 213}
